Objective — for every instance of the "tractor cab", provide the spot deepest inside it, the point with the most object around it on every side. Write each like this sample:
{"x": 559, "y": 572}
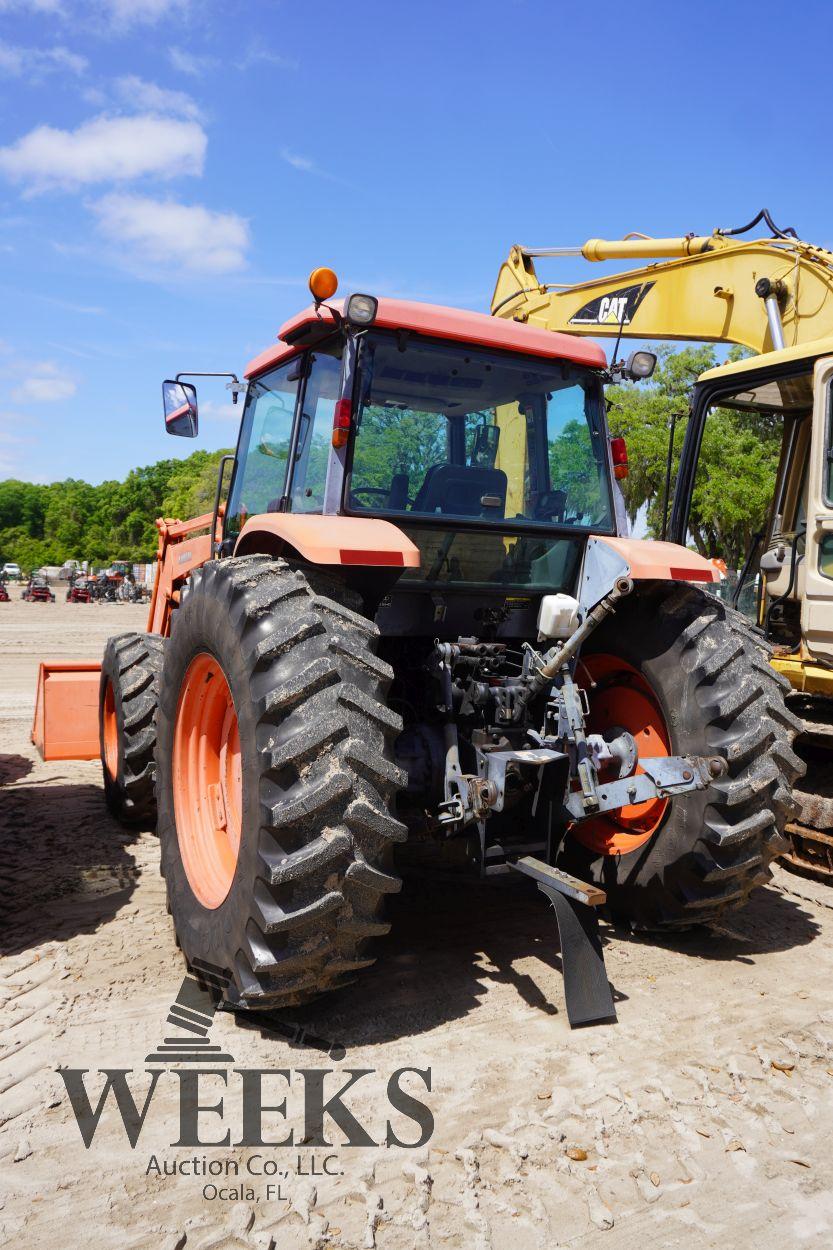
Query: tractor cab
{"x": 477, "y": 446}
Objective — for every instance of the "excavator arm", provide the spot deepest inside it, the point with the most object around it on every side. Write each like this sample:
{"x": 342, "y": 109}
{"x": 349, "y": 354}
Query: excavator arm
{"x": 761, "y": 293}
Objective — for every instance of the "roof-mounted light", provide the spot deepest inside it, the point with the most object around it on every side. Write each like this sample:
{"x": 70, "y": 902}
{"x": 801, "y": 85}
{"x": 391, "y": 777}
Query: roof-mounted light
{"x": 640, "y": 364}
{"x": 361, "y": 310}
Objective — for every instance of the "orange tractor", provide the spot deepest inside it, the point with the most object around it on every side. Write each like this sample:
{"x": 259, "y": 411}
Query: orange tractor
{"x": 414, "y": 613}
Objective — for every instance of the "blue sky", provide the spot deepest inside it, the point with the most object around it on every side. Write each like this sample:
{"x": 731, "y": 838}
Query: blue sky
{"x": 170, "y": 171}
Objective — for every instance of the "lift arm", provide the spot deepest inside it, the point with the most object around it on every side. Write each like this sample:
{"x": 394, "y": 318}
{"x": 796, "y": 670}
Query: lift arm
{"x": 762, "y": 293}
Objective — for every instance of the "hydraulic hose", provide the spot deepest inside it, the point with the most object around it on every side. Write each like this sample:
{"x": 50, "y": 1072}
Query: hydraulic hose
{"x": 555, "y": 659}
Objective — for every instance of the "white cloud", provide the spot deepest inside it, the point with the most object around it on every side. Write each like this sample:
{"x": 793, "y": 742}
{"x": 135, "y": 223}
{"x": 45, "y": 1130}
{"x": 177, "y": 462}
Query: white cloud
{"x": 34, "y": 63}
{"x": 303, "y": 163}
{"x": 306, "y": 165}
{"x": 105, "y": 149}
{"x": 32, "y": 6}
{"x": 43, "y": 382}
{"x": 84, "y": 310}
{"x": 211, "y": 410}
{"x": 126, "y": 13}
{"x": 151, "y": 98}
{"x": 189, "y": 63}
{"x": 167, "y": 233}
{"x": 10, "y": 442}
{"x": 118, "y": 16}
{"x": 257, "y": 55}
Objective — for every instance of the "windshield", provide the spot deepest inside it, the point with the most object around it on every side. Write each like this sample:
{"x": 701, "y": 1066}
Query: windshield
{"x": 444, "y": 430}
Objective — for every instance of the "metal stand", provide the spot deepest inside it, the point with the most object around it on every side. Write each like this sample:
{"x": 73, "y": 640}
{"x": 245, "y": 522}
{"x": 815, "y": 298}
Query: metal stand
{"x": 586, "y": 987}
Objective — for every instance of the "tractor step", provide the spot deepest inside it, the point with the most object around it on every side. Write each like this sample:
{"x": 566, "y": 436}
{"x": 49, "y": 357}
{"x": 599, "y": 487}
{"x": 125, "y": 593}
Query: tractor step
{"x": 587, "y": 990}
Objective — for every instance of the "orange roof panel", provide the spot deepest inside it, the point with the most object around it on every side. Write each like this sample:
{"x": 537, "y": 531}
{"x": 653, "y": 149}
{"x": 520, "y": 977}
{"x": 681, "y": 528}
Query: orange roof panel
{"x": 437, "y": 321}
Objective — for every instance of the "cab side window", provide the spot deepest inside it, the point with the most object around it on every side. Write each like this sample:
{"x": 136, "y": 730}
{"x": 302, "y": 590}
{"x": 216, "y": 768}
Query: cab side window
{"x": 315, "y": 429}
{"x": 260, "y": 474}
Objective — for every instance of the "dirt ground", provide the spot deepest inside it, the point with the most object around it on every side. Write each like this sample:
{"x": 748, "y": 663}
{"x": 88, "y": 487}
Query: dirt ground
{"x": 703, "y": 1118}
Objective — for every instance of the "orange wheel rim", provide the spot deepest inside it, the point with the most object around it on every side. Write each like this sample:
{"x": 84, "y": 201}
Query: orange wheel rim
{"x": 621, "y": 697}
{"x": 110, "y": 734}
{"x": 207, "y": 780}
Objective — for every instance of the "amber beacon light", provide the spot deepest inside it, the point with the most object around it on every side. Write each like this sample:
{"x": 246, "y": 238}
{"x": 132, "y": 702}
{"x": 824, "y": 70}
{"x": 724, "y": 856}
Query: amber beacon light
{"x": 323, "y": 283}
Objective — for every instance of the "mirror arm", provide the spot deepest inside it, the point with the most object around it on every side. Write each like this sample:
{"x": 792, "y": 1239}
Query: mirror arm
{"x": 189, "y": 374}
{"x": 235, "y": 381}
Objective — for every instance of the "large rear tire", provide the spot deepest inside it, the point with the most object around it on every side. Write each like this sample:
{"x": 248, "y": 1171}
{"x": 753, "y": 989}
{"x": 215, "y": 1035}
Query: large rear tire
{"x": 697, "y": 674}
{"x": 128, "y": 697}
{"x": 286, "y": 886}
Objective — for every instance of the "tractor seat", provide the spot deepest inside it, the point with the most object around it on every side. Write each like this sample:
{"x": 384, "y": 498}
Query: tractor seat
{"x": 458, "y": 490}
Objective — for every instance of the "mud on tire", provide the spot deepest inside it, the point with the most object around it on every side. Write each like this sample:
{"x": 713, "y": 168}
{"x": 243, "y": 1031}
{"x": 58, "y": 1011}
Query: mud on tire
{"x": 719, "y": 695}
{"x": 318, "y": 780}
{"x": 129, "y": 692}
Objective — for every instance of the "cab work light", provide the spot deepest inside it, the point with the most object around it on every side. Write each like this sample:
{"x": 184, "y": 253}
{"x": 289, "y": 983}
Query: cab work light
{"x": 619, "y": 456}
{"x": 361, "y": 310}
{"x": 342, "y": 420}
{"x": 640, "y": 365}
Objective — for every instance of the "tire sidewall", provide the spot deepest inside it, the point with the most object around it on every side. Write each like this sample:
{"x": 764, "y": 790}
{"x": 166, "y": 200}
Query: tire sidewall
{"x": 113, "y": 786}
{"x": 214, "y": 934}
{"x": 648, "y": 635}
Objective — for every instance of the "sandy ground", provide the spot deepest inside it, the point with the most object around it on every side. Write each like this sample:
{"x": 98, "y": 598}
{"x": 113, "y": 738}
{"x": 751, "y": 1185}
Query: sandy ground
{"x": 705, "y": 1114}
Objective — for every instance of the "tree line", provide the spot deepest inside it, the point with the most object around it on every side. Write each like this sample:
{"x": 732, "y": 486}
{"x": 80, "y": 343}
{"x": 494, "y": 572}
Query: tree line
{"x": 48, "y": 524}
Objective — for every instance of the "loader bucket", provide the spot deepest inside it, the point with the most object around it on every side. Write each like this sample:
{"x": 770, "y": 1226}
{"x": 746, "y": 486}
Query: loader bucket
{"x": 66, "y": 710}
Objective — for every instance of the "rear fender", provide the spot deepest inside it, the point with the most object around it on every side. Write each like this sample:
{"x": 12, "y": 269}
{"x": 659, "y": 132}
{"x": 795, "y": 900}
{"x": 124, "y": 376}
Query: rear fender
{"x": 640, "y": 559}
{"x": 350, "y": 542}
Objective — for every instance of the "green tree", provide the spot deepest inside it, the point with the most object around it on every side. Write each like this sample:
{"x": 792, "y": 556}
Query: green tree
{"x": 191, "y": 487}
{"x": 737, "y": 464}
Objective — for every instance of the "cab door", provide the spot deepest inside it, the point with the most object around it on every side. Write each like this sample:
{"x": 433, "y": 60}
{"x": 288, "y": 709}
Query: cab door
{"x": 817, "y": 606}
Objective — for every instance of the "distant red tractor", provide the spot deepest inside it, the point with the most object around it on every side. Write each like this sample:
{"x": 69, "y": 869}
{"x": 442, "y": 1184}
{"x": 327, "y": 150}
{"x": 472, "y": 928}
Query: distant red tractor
{"x": 37, "y": 591}
{"x": 80, "y": 591}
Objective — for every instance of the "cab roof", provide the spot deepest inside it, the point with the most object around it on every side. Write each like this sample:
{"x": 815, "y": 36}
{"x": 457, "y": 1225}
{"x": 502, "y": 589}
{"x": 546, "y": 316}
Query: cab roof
{"x": 437, "y": 321}
{"x": 808, "y": 352}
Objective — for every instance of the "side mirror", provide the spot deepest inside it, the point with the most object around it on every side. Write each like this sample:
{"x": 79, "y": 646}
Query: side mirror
{"x": 484, "y": 451}
{"x": 180, "y": 401}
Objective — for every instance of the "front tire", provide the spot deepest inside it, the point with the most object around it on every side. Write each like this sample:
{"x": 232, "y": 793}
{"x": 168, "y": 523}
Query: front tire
{"x": 289, "y": 910}
{"x": 697, "y": 675}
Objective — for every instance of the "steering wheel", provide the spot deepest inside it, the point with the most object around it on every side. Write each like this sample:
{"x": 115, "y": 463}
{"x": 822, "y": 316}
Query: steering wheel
{"x": 376, "y": 491}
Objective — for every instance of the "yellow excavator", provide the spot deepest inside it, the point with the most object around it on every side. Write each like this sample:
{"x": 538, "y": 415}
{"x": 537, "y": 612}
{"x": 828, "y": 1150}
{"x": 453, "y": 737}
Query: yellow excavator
{"x": 774, "y": 296}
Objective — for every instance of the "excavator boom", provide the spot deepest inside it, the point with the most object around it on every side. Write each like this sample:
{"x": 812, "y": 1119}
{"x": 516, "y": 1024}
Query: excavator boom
{"x": 761, "y": 293}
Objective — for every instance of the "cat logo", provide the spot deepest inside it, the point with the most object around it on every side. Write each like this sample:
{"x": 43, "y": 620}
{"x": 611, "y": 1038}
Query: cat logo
{"x": 616, "y": 309}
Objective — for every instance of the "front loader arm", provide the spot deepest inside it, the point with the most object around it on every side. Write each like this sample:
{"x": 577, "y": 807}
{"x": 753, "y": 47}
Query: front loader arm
{"x": 704, "y": 288}
{"x": 183, "y": 546}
